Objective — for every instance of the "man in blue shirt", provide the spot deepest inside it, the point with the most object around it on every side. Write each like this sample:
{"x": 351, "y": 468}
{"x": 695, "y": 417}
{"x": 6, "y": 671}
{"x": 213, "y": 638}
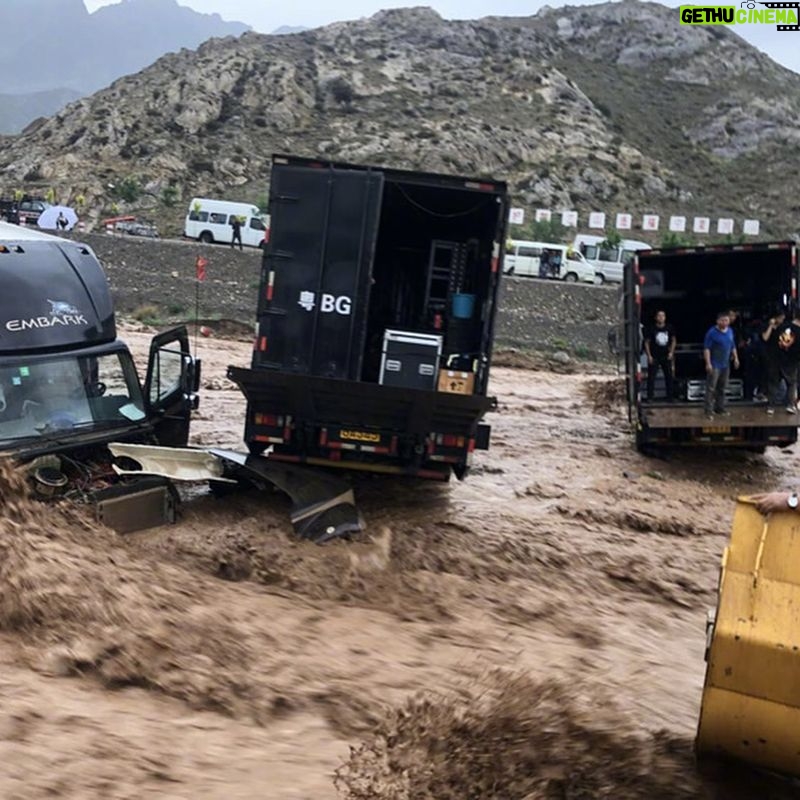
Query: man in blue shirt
{"x": 719, "y": 348}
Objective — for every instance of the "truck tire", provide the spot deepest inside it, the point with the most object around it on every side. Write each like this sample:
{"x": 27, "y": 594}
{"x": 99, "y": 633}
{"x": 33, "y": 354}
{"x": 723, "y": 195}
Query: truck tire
{"x": 207, "y": 237}
{"x": 600, "y": 279}
{"x": 644, "y": 447}
{"x": 571, "y": 277}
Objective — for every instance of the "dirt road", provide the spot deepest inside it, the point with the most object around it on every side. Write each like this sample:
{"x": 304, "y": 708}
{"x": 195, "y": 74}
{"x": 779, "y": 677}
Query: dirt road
{"x": 221, "y": 658}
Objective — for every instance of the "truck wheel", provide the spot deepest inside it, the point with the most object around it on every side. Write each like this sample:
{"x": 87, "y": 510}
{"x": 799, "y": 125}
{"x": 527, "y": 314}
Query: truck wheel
{"x": 461, "y": 471}
{"x": 571, "y": 277}
{"x": 599, "y": 279}
{"x": 644, "y": 447}
{"x": 207, "y": 237}
{"x": 510, "y": 271}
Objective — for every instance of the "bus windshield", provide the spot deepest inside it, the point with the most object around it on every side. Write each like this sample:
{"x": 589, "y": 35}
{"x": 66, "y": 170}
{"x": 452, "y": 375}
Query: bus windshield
{"x": 64, "y": 393}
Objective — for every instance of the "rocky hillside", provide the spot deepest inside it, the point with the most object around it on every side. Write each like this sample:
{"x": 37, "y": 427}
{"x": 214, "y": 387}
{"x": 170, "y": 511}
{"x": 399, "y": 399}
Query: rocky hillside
{"x": 614, "y": 106}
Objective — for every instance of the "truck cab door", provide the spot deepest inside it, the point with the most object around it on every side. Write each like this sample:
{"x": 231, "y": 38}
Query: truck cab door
{"x": 170, "y": 387}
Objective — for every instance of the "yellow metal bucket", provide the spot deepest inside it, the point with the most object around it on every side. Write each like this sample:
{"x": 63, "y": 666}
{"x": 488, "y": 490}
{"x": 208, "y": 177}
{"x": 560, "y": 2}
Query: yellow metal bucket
{"x": 751, "y": 697}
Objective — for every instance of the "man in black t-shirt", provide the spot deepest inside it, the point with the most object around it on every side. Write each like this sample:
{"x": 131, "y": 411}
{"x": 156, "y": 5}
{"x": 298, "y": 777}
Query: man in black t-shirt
{"x": 782, "y": 337}
{"x": 659, "y": 346}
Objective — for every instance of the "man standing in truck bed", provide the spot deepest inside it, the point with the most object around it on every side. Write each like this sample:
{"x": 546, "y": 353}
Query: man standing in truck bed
{"x": 719, "y": 349}
{"x": 782, "y": 338}
{"x": 659, "y": 346}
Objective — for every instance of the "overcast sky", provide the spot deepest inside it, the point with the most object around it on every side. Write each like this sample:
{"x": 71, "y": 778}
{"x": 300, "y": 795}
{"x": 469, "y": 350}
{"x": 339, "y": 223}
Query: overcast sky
{"x": 266, "y": 15}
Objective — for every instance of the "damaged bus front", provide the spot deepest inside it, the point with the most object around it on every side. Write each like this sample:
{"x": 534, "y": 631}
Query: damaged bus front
{"x": 68, "y": 385}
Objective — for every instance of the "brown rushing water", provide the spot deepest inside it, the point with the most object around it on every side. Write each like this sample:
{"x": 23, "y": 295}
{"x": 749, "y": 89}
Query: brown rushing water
{"x": 550, "y": 609}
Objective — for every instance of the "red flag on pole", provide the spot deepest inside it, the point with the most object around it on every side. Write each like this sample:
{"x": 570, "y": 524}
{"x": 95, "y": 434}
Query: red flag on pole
{"x": 200, "y": 266}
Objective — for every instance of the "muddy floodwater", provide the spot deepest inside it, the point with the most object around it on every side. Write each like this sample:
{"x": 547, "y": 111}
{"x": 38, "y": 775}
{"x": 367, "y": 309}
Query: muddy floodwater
{"x": 536, "y": 631}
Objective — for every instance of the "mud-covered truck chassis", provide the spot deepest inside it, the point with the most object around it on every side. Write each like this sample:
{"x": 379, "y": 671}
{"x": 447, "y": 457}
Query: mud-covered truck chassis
{"x": 692, "y": 285}
{"x": 376, "y": 314}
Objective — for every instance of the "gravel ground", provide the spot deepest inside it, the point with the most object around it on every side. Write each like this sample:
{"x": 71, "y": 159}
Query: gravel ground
{"x": 550, "y": 315}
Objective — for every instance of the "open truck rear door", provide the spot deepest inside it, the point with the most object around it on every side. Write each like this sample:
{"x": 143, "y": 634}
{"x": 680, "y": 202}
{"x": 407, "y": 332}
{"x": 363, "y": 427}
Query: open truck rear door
{"x": 324, "y": 227}
{"x": 170, "y": 386}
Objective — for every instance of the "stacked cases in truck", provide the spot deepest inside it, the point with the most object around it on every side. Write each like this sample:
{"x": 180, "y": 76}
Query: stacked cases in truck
{"x": 363, "y": 261}
{"x": 410, "y": 360}
{"x": 691, "y": 285}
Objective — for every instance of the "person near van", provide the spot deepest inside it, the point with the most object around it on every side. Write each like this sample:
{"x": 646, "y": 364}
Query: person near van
{"x": 555, "y": 264}
{"x": 659, "y": 346}
{"x": 236, "y": 225}
{"x": 544, "y": 264}
{"x": 719, "y": 349}
{"x": 782, "y": 338}
{"x": 61, "y": 221}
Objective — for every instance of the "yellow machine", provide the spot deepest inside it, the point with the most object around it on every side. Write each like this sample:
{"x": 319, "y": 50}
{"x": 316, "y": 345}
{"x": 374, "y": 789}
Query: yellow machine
{"x": 751, "y": 697}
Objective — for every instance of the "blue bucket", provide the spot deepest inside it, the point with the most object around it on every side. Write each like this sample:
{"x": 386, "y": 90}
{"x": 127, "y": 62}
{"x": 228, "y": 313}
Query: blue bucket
{"x": 463, "y": 306}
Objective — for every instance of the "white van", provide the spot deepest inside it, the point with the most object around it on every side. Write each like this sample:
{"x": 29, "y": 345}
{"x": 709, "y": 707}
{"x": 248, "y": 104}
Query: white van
{"x": 608, "y": 262}
{"x": 546, "y": 260}
{"x": 210, "y": 221}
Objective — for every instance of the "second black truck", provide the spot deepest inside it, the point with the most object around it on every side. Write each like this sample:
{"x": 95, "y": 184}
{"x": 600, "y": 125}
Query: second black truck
{"x": 691, "y": 286}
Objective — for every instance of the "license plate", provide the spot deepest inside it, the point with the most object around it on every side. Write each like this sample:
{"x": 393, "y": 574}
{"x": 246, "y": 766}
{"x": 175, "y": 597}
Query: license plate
{"x": 363, "y": 437}
{"x": 718, "y": 429}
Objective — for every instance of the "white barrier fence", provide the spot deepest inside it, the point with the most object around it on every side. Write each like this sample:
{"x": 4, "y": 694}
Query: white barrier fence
{"x": 649, "y": 222}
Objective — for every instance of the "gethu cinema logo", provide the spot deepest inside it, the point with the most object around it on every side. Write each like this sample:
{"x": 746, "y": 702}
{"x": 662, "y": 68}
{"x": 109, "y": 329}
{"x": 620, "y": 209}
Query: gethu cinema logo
{"x": 773, "y": 14}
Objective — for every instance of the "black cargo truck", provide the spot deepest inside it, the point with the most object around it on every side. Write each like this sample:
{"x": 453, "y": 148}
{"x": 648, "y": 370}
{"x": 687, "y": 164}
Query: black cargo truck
{"x": 691, "y": 285}
{"x": 376, "y": 316}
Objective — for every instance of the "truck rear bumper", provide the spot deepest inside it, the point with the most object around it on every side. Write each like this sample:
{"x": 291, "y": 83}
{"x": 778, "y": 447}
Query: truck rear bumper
{"x": 363, "y": 425}
{"x": 739, "y": 415}
{"x": 337, "y": 402}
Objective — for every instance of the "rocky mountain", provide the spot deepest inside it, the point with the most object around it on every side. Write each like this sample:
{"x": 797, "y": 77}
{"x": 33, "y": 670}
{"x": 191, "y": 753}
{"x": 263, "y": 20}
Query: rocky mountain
{"x": 284, "y": 29}
{"x": 53, "y": 51}
{"x": 612, "y": 106}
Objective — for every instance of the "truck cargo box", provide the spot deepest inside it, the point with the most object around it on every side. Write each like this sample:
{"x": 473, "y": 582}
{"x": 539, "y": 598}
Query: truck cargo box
{"x": 373, "y": 281}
